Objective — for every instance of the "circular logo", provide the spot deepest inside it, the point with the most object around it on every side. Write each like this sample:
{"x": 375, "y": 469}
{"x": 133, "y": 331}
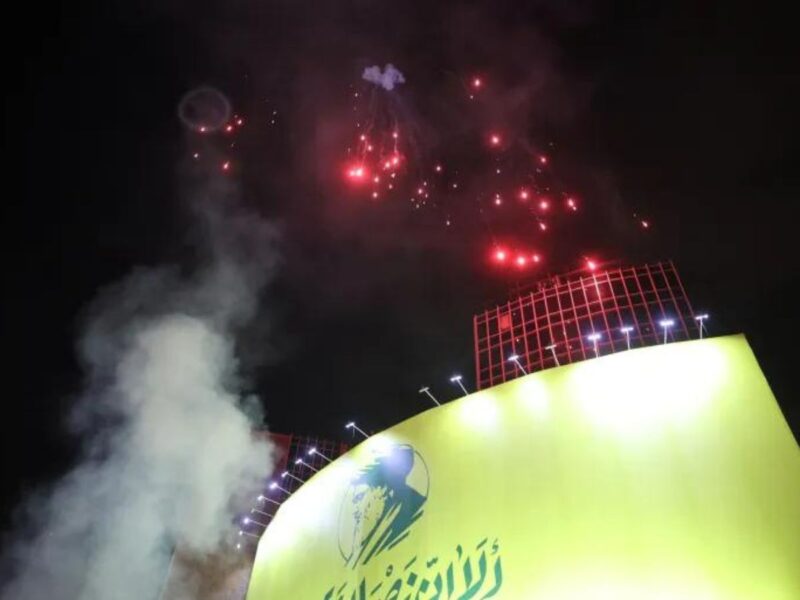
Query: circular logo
{"x": 384, "y": 499}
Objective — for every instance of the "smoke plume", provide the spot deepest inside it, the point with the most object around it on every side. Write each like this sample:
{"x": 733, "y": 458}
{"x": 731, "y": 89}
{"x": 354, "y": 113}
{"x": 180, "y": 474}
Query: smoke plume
{"x": 387, "y": 79}
{"x": 168, "y": 438}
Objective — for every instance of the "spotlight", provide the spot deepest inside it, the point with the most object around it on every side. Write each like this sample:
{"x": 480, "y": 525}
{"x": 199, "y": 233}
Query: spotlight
{"x": 314, "y": 452}
{"x": 701, "y": 322}
{"x": 457, "y": 380}
{"x": 286, "y": 474}
{"x": 515, "y": 359}
{"x": 666, "y": 324}
{"x": 352, "y": 426}
{"x": 275, "y": 486}
{"x": 627, "y": 331}
{"x": 552, "y": 348}
{"x": 427, "y": 390}
{"x": 300, "y": 461}
{"x": 248, "y": 520}
{"x": 594, "y": 338}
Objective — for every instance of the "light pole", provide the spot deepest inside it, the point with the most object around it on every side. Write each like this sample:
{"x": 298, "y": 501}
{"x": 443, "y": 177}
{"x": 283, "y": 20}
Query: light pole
{"x": 314, "y": 452}
{"x": 275, "y": 486}
{"x": 300, "y": 461}
{"x": 457, "y": 380}
{"x": 594, "y": 338}
{"x": 701, "y": 322}
{"x": 351, "y": 425}
{"x": 515, "y": 359}
{"x": 248, "y": 520}
{"x": 261, "y": 512}
{"x": 552, "y": 348}
{"x": 427, "y": 390}
{"x": 627, "y": 331}
{"x": 242, "y": 532}
{"x": 286, "y": 474}
{"x": 263, "y": 498}
{"x": 666, "y": 324}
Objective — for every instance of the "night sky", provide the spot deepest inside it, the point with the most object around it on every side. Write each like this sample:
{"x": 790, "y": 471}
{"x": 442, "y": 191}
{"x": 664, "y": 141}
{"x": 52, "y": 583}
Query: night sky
{"x": 684, "y": 112}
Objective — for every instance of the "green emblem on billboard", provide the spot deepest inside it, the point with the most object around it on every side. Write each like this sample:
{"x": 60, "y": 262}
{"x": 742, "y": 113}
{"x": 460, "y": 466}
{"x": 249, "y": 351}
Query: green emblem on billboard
{"x": 383, "y": 501}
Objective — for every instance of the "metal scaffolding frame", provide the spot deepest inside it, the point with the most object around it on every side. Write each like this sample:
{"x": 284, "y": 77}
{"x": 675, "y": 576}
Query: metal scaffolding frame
{"x": 563, "y": 310}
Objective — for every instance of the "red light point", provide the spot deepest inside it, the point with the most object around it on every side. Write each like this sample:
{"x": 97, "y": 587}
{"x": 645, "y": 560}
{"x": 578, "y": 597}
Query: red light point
{"x": 477, "y": 83}
{"x": 523, "y": 195}
{"x": 239, "y": 122}
{"x": 544, "y": 204}
{"x": 646, "y": 224}
{"x": 543, "y": 160}
{"x": 226, "y": 166}
{"x": 500, "y": 255}
{"x": 536, "y": 258}
{"x": 495, "y": 139}
{"x": 591, "y": 264}
{"x": 438, "y": 168}
{"x": 521, "y": 261}
{"x": 357, "y": 173}
{"x": 543, "y": 226}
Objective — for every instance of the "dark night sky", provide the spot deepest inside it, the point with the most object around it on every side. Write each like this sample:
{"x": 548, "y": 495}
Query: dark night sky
{"x": 687, "y": 112}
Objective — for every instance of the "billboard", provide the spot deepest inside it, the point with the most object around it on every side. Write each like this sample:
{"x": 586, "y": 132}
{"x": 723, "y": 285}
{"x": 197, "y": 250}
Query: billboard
{"x": 665, "y": 472}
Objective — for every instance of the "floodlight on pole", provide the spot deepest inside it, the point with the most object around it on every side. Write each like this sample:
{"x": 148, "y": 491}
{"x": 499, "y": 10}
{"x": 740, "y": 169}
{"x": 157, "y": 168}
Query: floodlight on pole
{"x": 701, "y": 322}
{"x": 275, "y": 486}
{"x": 457, "y": 380}
{"x": 666, "y": 324}
{"x": 263, "y": 498}
{"x": 627, "y": 331}
{"x": 594, "y": 338}
{"x": 353, "y": 427}
{"x": 261, "y": 512}
{"x": 248, "y": 520}
{"x": 252, "y": 535}
{"x": 552, "y": 348}
{"x": 300, "y": 461}
{"x": 515, "y": 359}
{"x": 426, "y": 390}
{"x": 314, "y": 452}
{"x": 286, "y": 474}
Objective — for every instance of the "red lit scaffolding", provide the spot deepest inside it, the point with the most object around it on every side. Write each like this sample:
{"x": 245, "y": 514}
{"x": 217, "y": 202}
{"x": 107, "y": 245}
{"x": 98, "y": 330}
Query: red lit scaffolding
{"x": 549, "y": 325}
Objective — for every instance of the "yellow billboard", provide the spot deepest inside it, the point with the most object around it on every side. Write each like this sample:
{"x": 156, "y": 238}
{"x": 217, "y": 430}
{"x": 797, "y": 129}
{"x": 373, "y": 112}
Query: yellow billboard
{"x": 662, "y": 473}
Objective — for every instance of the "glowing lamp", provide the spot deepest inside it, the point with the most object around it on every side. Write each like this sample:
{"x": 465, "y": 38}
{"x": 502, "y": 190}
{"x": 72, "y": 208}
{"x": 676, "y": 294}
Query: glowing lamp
{"x": 314, "y": 452}
{"x": 594, "y": 338}
{"x": 552, "y": 348}
{"x": 427, "y": 391}
{"x": 353, "y": 427}
{"x": 515, "y": 359}
{"x": 627, "y": 331}
{"x": 666, "y": 324}
{"x": 456, "y": 379}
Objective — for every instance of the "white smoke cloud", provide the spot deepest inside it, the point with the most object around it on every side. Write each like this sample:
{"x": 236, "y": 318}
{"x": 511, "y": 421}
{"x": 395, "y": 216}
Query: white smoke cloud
{"x": 387, "y": 79}
{"x": 169, "y": 442}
